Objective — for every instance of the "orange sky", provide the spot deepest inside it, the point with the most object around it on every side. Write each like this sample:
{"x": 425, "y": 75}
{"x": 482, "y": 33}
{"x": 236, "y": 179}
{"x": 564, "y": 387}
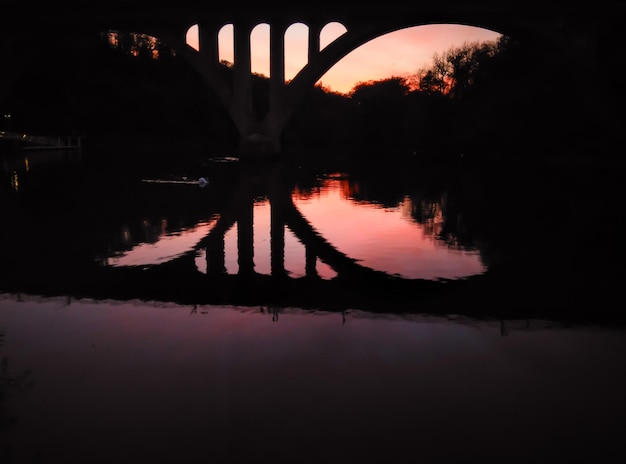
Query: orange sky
{"x": 395, "y": 54}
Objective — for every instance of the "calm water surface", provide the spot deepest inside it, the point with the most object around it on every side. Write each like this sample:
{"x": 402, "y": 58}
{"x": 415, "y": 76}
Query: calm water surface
{"x": 290, "y": 318}
{"x": 385, "y": 238}
{"x": 78, "y": 224}
{"x": 138, "y": 381}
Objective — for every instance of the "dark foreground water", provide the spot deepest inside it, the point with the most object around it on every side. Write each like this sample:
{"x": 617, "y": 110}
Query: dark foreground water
{"x": 298, "y": 314}
{"x": 148, "y": 382}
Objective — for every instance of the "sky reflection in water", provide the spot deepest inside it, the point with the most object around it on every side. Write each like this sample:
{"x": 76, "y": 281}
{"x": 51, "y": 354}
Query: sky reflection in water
{"x": 382, "y": 238}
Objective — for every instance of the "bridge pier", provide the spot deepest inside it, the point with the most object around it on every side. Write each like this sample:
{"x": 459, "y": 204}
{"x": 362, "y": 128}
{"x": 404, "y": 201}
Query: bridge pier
{"x": 258, "y": 146}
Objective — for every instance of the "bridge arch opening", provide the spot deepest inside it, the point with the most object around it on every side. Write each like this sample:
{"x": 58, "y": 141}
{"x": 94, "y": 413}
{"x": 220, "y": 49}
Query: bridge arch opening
{"x": 192, "y": 37}
{"x": 296, "y": 49}
{"x": 226, "y": 43}
{"x": 296, "y": 44}
{"x": 401, "y": 53}
{"x": 331, "y": 32}
{"x": 260, "y": 49}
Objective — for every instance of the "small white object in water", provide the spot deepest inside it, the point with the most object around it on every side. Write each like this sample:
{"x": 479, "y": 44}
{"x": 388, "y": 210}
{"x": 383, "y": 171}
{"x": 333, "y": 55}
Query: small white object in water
{"x": 202, "y": 182}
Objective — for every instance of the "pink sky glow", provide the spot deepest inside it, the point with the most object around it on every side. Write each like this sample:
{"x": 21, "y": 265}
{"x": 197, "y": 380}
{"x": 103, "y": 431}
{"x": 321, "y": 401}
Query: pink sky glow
{"x": 398, "y": 53}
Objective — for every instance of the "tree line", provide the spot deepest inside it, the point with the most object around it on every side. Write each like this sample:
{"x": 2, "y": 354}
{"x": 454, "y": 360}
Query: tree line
{"x": 480, "y": 100}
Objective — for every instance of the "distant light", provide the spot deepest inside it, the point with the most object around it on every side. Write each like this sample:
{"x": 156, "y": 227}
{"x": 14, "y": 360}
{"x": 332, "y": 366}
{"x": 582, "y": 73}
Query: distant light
{"x": 203, "y": 182}
{"x": 15, "y": 182}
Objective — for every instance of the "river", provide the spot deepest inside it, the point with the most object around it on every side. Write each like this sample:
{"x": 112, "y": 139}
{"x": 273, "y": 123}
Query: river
{"x": 305, "y": 314}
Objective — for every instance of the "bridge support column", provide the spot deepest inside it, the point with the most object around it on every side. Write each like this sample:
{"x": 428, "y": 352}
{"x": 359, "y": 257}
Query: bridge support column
{"x": 215, "y": 258}
{"x": 245, "y": 238}
{"x": 278, "y": 195}
{"x": 258, "y": 145}
{"x": 266, "y": 141}
{"x": 256, "y": 141}
{"x": 241, "y": 109}
{"x": 310, "y": 266}
{"x": 277, "y": 241}
{"x": 209, "y": 43}
{"x": 314, "y": 41}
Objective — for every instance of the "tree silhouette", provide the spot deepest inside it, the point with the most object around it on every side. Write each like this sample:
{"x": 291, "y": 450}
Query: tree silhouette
{"x": 483, "y": 100}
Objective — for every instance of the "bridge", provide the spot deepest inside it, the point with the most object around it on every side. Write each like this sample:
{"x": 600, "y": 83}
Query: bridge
{"x": 354, "y": 287}
{"x": 583, "y": 33}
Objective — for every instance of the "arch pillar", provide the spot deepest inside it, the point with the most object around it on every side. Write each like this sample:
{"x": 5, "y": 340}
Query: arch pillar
{"x": 208, "y": 42}
{"x": 241, "y": 107}
{"x": 314, "y": 40}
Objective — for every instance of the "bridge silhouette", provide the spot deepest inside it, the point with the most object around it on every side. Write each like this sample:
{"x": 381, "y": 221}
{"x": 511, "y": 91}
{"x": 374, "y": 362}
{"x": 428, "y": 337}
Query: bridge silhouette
{"x": 578, "y": 32}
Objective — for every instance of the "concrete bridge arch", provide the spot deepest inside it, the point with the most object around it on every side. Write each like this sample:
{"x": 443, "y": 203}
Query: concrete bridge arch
{"x": 27, "y": 26}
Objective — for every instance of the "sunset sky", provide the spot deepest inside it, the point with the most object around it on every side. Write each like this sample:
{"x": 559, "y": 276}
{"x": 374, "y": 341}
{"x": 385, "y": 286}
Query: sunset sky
{"x": 398, "y": 53}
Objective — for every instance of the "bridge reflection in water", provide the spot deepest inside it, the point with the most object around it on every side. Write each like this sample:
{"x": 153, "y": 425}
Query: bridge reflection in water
{"x": 343, "y": 282}
{"x": 270, "y": 380}
{"x": 65, "y": 240}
